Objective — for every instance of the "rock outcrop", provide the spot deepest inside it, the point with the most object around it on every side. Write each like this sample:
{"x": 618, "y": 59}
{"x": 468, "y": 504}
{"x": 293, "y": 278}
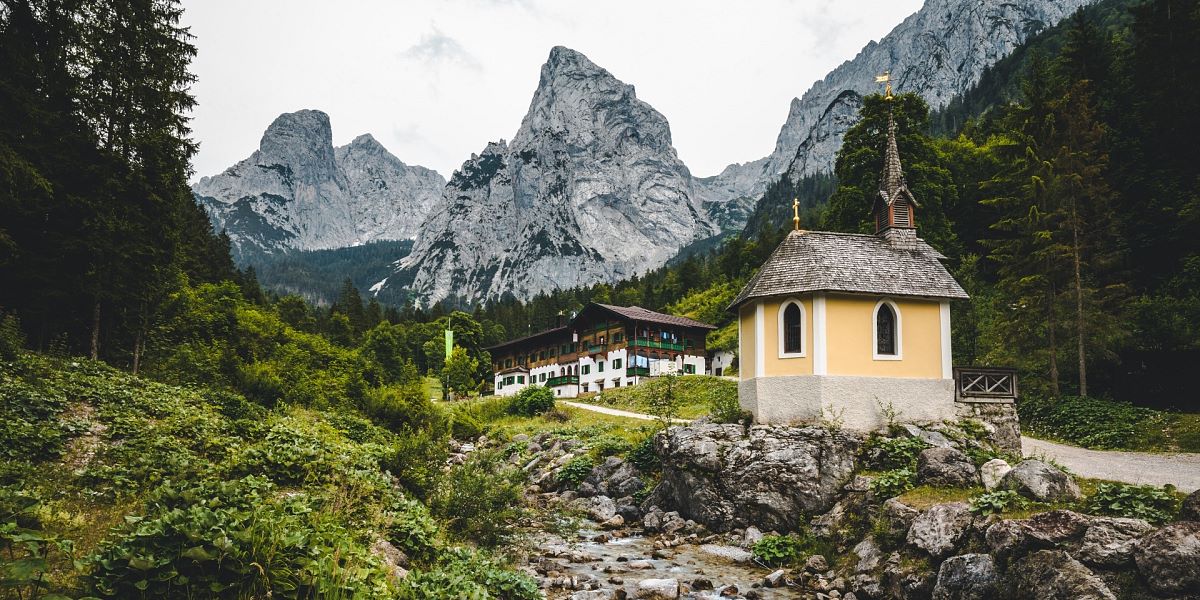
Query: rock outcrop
{"x": 724, "y": 476}
{"x": 299, "y": 192}
{"x": 589, "y": 189}
{"x": 946, "y": 466}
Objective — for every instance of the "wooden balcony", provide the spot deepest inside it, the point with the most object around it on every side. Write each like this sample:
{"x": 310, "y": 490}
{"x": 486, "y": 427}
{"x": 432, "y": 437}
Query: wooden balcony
{"x": 562, "y": 380}
{"x": 649, "y": 343}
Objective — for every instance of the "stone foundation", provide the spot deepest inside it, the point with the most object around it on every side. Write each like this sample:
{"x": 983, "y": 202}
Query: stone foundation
{"x": 857, "y": 403}
{"x": 1000, "y": 417}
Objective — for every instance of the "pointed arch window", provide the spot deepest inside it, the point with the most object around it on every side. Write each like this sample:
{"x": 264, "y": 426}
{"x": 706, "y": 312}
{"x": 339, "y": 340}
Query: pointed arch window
{"x": 887, "y": 343}
{"x": 791, "y": 329}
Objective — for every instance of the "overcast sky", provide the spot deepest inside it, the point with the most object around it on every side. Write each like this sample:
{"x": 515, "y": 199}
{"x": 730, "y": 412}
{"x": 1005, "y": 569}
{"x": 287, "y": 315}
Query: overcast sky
{"x": 435, "y": 80}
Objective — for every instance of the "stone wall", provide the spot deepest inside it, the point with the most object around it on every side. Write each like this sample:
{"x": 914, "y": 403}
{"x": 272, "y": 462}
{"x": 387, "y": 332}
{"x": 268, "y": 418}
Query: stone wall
{"x": 1000, "y": 419}
{"x": 856, "y": 403}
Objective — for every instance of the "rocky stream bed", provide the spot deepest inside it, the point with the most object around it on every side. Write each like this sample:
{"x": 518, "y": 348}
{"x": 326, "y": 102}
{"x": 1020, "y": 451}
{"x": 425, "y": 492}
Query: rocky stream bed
{"x": 688, "y": 531}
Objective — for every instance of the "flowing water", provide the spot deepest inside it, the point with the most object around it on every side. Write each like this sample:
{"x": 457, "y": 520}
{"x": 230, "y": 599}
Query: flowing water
{"x": 621, "y": 562}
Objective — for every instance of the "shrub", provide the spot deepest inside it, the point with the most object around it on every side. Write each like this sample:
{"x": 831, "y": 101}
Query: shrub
{"x": 532, "y": 401}
{"x": 576, "y": 470}
{"x": 464, "y": 574}
{"x": 416, "y": 460}
{"x": 480, "y": 500}
{"x": 609, "y": 445}
{"x": 231, "y": 539}
{"x": 724, "y": 406}
{"x": 402, "y": 409}
{"x": 893, "y": 483}
{"x": 997, "y": 502}
{"x": 1088, "y": 422}
{"x": 644, "y": 457}
{"x": 1153, "y": 504}
{"x": 463, "y": 426}
{"x": 411, "y": 529}
{"x": 11, "y": 337}
{"x": 778, "y": 550}
{"x": 895, "y": 453}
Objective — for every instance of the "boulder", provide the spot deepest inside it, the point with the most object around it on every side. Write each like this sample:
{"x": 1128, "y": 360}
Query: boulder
{"x": 967, "y": 577}
{"x": 933, "y": 438}
{"x": 899, "y": 517}
{"x": 939, "y": 530}
{"x": 946, "y": 466}
{"x": 1053, "y": 575}
{"x": 753, "y": 535}
{"x": 775, "y": 579}
{"x": 657, "y": 589}
{"x": 394, "y": 559}
{"x": 598, "y": 508}
{"x": 1043, "y": 530}
{"x": 1169, "y": 559}
{"x": 1110, "y": 542}
{"x": 869, "y": 556}
{"x": 992, "y": 471}
{"x": 595, "y": 595}
{"x": 772, "y": 476}
{"x": 1040, "y": 481}
{"x": 1190, "y": 510}
{"x": 816, "y": 564}
{"x": 730, "y": 553}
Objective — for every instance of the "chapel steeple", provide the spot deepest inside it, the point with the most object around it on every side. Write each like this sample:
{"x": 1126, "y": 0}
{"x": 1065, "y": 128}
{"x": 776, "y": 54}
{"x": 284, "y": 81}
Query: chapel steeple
{"x": 893, "y": 209}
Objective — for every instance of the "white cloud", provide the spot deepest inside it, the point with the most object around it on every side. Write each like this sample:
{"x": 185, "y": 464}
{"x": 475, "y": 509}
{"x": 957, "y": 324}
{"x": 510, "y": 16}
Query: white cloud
{"x": 437, "y": 48}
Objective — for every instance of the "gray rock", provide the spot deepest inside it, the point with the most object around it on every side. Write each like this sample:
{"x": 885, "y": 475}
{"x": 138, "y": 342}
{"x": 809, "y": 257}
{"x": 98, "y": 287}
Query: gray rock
{"x": 657, "y": 589}
{"x": 629, "y": 512}
{"x": 775, "y": 579}
{"x": 992, "y": 472}
{"x": 594, "y": 595}
{"x": 730, "y": 553}
{"x": 753, "y": 535}
{"x": 598, "y": 508}
{"x": 1053, "y": 575}
{"x": 612, "y": 197}
{"x": 899, "y": 516}
{"x": 1169, "y": 559}
{"x": 816, "y": 564}
{"x": 933, "y": 438}
{"x": 939, "y": 530}
{"x": 299, "y": 192}
{"x": 1043, "y": 530}
{"x": 394, "y": 559}
{"x": 1110, "y": 542}
{"x": 1040, "y": 481}
{"x": 770, "y": 476}
{"x": 869, "y": 556}
{"x": 966, "y": 577}
{"x": 946, "y": 467}
{"x": 1190, "y": 509}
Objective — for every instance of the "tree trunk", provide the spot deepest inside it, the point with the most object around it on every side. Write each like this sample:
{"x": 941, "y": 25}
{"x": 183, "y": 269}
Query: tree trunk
{"x": 1052, "y": 325}
{"x": 95, "y": 354}
{"x": 138, "y": 345}
{"x": 1080, "y": 322}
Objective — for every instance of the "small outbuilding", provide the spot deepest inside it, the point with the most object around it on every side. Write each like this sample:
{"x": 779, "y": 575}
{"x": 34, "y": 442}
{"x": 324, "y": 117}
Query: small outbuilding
{"x": 851, "y": 328}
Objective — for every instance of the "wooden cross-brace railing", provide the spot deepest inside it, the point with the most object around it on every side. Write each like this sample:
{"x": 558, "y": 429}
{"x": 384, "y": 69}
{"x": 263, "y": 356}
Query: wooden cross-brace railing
{"x": 989, "y": 384}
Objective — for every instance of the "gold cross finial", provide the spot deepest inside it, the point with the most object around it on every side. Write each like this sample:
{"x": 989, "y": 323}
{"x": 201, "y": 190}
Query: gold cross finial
{"x": 796, "y": 213}
{"x": 885, "y": 79}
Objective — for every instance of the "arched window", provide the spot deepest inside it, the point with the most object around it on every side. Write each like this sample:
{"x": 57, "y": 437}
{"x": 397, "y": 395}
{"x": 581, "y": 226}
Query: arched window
{"x": 791, "y": 329}
{"x": 887, "y": 331}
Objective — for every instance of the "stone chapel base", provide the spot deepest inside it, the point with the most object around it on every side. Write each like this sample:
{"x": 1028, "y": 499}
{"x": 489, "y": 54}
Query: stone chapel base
{"x": 857, "y": 403}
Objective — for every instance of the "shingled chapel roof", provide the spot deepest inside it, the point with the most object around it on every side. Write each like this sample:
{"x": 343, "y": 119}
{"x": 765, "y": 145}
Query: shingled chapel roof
{"x": 822, "y": 261}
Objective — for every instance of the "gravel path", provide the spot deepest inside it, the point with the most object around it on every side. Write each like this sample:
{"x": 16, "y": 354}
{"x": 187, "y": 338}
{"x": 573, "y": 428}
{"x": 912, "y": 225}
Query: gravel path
{"x": 1178, "y": 469}
{"x": 617, "y": 412}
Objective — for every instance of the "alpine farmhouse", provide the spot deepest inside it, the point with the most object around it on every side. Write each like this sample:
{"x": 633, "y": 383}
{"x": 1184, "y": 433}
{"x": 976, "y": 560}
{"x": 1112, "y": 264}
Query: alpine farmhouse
{"x": 848, "y": 327}
{"x": 602, "y": 347}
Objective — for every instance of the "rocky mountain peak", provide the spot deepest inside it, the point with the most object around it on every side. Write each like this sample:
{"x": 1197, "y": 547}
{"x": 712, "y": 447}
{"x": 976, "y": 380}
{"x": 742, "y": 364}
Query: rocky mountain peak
{"x": 299, "y": 192}
{"x": 588, "y": 190}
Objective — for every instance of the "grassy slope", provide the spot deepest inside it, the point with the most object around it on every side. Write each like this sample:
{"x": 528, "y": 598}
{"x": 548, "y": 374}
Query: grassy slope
{"x": 697, "y": 395}
{"x": 1109, "y": 425}
{"x": 90, "y": 450}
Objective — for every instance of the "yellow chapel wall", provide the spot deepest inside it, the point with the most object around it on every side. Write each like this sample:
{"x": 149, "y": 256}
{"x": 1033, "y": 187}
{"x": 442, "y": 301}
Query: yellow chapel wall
{"x": 747, "y": 356}
{"x": 772, "y": 340}
{"x": 850, "y": 340}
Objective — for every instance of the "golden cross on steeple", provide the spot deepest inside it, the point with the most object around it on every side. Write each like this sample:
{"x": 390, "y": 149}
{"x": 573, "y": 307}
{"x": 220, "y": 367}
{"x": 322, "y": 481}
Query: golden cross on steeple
{"x": 796, "y": 213}
{"x": 885, "y": 79}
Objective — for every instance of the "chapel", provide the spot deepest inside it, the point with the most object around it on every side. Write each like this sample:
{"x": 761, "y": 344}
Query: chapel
{"x": 852, "y": 328}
